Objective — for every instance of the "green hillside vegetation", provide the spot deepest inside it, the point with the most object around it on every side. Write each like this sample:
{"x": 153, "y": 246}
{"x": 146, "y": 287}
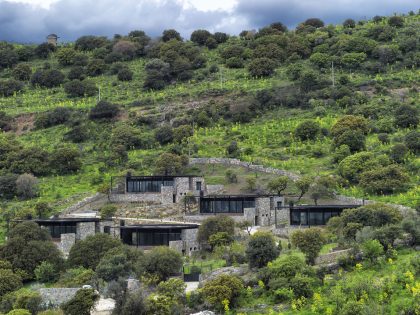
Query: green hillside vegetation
{"x": 335, "y": 102}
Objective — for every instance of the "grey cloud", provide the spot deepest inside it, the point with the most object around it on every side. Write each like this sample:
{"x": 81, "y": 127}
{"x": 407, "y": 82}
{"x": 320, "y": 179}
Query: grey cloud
{"x": 71, "y": 19}
{"x": 291, "y": 13}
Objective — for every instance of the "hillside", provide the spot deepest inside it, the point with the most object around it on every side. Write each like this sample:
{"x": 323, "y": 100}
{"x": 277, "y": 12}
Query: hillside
{"x": 320, "y": 100}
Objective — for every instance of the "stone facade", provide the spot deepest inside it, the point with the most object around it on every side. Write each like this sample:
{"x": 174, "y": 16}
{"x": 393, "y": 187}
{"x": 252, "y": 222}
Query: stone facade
{"x": 188, "y": 243}
{"x": 66, "y": 242}
{"x": 84, "y": 229}
{"x": 168, "y": 195}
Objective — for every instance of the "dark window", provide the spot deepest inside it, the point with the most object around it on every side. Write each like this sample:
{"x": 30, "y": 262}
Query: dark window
{"x": 57, "y": 228}
{"x": 197, "y": 185}
{"x": 150, "y": 237}
{"x": 135, "y": 185}
{"x": 226, "y": 204}
{"x": 107, "y": 229}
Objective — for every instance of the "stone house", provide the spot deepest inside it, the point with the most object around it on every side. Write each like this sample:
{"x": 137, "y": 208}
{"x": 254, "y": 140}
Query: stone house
{"x": 52, "y": 39}
{"x": 156, "y": 189}
{"x": 257, "y": 209}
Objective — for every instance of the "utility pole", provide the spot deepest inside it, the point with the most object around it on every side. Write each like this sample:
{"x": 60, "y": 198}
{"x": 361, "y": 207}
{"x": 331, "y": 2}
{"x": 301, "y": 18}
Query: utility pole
{"x": 332, "y": 73}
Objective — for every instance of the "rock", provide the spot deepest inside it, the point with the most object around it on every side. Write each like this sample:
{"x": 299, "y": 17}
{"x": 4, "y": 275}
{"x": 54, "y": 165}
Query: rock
{"x": 234, "y": 271}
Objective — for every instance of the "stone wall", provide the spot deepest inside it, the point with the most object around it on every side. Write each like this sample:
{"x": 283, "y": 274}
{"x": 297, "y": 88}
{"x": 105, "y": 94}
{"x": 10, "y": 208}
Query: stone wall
{"x": 331, "y": 257}
{"x": 249, "y": 215}
{"x": 66, "y": 243}
{"x": 249, "y": 166}
{"x": 263, "y": 208}
{"x": 214, "y": 189}
{"x": 54, "y": 297}
{"x": 83, "y": 203}
{"x": 166, "y": 195}
{"x": 136, "y": 197}
{"x": 84, "y": 229}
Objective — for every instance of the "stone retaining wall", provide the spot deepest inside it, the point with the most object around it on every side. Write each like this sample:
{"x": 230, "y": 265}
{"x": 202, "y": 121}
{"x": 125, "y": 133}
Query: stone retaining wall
{"x": 83, "y": 203}
{"x": 54, "y": 297}
{"x": 331, "y": 257}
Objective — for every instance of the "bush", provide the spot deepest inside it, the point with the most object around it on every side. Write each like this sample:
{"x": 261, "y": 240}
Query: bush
{"x": 10, "y": 87}
{"x": 82, "y": 303}
{"x": 95, "y": 67}
{"x": 157, "y": 74}
{"x": 89, "y": 42}
{"x": 261, "y": 67}
{"x": 396, "y": 21}
{"x": 8, "y": 58}
{"x": 352, "y": 166}
{"x": 261, "y": 249}
{"x": 103, "y": 110}
{"x": 170, "y": 164}
{"x": 200, "y": 37}
{"x": 375, "y": 215}
{"x": 164, "y": 134}
{"x": 162, "y": 262}
{"x": 76, "y": 277}
{"x": 108, "y": 211}
{"x": 22, "y": 72}
{"x": 57, "y": 116}
{"x": 65, "y": 56}
{"x": 384, "y": 180}
{"x": 9, "y": 281}
{"x": 399, "y": 152}
{"x": 406, "y": 116}
{"x": 213, "y": 225}
{"x": 76, "y": 73}
{"x": 125, "y": 75}
{"x": 66, "y": 160}
{"x": 27, "y": 186}
{"x": 315, "y": 22}
{"x": 234, "y": 63}
{"x": 88, "y": 252}
{"x": 224, "y": 287}
{"x": 44, "y": 50}
{"x": 233, "y": 150}
{"x": 309, "y": 241}
{"x": 126, "y": 48}
{"x": 372, "y": 249}
{"x": 167, "y": 35}
{"x": 412, "y": 141}
{"x": 307, "y": 130}
{"x": 46, "y": 272}
{"x": 349, "y": 23}
{"x": 77, "y": 88}
{"x": 47, "y": 78}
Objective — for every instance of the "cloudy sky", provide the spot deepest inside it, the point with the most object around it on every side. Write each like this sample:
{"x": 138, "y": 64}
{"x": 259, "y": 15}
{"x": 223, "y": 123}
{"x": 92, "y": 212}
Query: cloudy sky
{"x": 32, "y": 20}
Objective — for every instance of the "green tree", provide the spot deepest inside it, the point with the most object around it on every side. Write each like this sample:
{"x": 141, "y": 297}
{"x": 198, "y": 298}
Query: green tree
{"x": 303, "y": 185}
{"x": 406, "y": 116}
{"x": 352, "y": 166}
{"x": 65, "y": 160}
{"x": 169, "y": 34}
{"x": 88, "y": 252}
{"x": 82, "y": 303}
{"x": 220, "y": 239}
{"x": 46, "y": 272}
{"x": 309, "y": 241}
{"x": 213, "y": 225}
{"x": 278, "y": 185}
{"x": 170, "y": 164}
{"x": 372, "y": 249}
{"x": 412, "y": 141}
{"x": 318, "y": 191}
{"x": 103, "y": 110}
{"x": 164, "y": 134}
{"x": 9, "y": 281}
{"x": 384, "y": 180}
{"x": 22, "y": 72}
{"x": 134, "y": 304}
{"x": 307, "y": 130}
{"x": 224, "y": 287}
{"x": 200, "y": 37}
{"x": 261, "y": 67}
{"x": 162, "y": 262}
{"x": 157, "y": 74}
{"x": 27, "y": 186}
{"x": 261, "y": 249}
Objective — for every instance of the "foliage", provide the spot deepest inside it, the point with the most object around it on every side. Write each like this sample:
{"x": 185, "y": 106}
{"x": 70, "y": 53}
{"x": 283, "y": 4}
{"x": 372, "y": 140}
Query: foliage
{"x": 261, "y": 249}
{"x": 384, "y": 180}
{"x": 162, "y": 262}
{"x": 307, "y": 130}
{"x": 213, "y": 225}
{"x": 303, "y": 184}
{"x": 372, "y": 249}
{"x": 224, "y": 287}
{"x": 220, "y": 239}
{"x": 104, "y": 110}
{"x": 261, "y": 67}
{"x": 87, "y": 253}
{"x": 309, "y": 241}
{"x": 77, "y": 88}
{"x": 10, "y": 87}
{"x": 82, "y": 303}
{"x": 170, "y": 164}
{"x": 9, "y": 281}
{"x": 46, "y": 272}
{"x": 27, "y": 186}
{"x": 108, "y": 211}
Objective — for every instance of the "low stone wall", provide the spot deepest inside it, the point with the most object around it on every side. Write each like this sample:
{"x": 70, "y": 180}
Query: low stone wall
{"x": 331, "y": 257}
{"x": 140, "y": 197}
{"x": 249, "y": 166}
{"x": 83, "y": 203}
{"x": 54, "y": 297}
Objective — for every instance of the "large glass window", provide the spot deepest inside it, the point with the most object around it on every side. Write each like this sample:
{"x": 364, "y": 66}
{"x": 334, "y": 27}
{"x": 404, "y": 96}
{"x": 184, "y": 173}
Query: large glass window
{"x": 226, "y": 205}
{"x": 135, "y": 185}
{"x": 152, "y": 238}
{"x": 57, "y": 229}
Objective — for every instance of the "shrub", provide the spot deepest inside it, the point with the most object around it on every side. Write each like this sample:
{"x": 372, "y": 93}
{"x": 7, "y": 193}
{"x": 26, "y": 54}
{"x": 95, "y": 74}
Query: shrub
{"x": 89, "y": 42}
{"x": 9, "y": 281}
{"x": 406, "y": 116}
{"x": 108, "y": 211}
{"x": 260, "y": 67}
{"x": 383, "y": 138}
{"x": 399, "y": 152}
{"x": 200, "y": 37}
{"x": 372, "y": 249}
{"x": 352, "y": 166}
{"x": 224, "y": 287}
{"x": 315, "y": 22}
{"x": 57, "y": 116}
{"x": 349, "y": 23}
{"x": 412, "y": 141}
{"x": 162, "y": 262}
{"x": 22, "y": 72}
{"x": 66, "y": 160}
{"x": 233, "y": 150}
{"x": 384, "y": 180}
{"x": 76, "y": 73}
{"x": 5, "y": 122}
{"x": 46, "y": 272}
{"x": 307, "y": 130}
{"x": 103, "y": 110}
{"x": 65, "y": 56}
{"x": 88, "y": 252}
{"x": 77, "y": 88}
{"x": 10, "y": 87}
{"x": 82, "y": 303}
{"x": 126, "y": 48}
{"x": 76, "y": 277}
{"x": 44, "y": 50}
{"x": 169, "y": 34}
{"x": 231, "y": 177}
{"x": 27, "y": 186}
{"x": 8, "y": 58}
{"x": 164, "y": 134}
{"x": 47, "y": 78}
{"x": 261, "y": 249}
{"x": 213, "y": 225}
{"x": 396, "y": 21}
{"x": 157, "y": 74}
{"x": 170, "y": 164}
{"x": 309, "y": 241}
{"x": 125, "y": 75}
{"x": 234, "y": 63}
{"x": 375, "y": 215}
{"x": 19, "y": 311}
{"x": 95, "y": 67}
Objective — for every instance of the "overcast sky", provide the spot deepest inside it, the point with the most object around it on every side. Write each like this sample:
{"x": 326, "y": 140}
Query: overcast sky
{"x": 32, "y": 20}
